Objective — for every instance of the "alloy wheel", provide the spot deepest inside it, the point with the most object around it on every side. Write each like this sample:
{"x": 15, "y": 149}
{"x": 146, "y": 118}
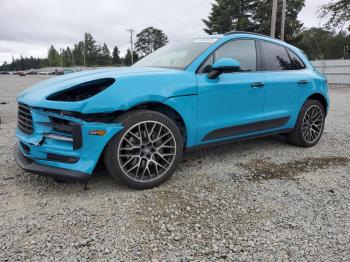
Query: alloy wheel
{"x": 312, "y": 126}
{"x": 147, "y": 151}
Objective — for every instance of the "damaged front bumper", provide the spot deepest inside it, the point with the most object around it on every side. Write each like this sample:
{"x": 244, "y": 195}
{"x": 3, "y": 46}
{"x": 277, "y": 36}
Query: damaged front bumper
{"x": 58, "y": 145}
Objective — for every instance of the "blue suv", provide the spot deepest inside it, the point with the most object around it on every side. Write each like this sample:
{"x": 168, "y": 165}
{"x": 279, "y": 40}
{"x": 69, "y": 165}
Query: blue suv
{"x": 139, "y": 120}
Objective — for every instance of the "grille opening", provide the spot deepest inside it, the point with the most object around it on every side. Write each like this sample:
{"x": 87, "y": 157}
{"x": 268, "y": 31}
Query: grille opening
{"x": 82, "y": 91}
{"x": 61, "y": 125}
{"x": 69, "y": 128}
{"x": 25, "y": 148}
{"x": 62, "y": 159}
{"x": 24, "y": 119}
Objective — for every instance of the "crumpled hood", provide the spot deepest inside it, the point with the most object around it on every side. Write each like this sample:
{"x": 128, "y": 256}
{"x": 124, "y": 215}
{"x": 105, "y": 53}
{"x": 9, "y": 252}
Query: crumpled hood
{"x": 48, "y": 87}
{"x": 130, "y": 82}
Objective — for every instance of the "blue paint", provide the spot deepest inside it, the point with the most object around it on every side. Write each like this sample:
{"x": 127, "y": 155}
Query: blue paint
{"x": 204, "y": 104}
{"x": 226, "y": 63}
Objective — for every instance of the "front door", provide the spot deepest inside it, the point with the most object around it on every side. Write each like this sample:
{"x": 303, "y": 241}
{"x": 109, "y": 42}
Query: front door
{"x": 231, "y": 105}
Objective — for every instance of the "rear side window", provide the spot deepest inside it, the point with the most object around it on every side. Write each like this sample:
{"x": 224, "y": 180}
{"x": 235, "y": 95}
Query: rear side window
{"x": 275, "y": 57}
{"x": 243, "y": 51}
{"x": 298, "y": 64}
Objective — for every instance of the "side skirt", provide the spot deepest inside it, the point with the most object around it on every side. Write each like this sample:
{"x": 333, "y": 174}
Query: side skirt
{"x": 224, "y": 142}
{"x": 246, "y": 128}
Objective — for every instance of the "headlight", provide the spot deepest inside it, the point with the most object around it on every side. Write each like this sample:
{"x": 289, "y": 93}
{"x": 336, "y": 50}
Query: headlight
{"x": 82, "y": 91}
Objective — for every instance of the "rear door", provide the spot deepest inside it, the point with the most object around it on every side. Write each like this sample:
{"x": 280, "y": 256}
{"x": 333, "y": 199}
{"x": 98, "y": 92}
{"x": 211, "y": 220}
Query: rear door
{"x": 285, "y": 77}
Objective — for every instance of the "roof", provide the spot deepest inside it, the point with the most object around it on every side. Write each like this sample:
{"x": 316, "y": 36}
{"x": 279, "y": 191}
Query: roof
{"x": 249, "y": 33}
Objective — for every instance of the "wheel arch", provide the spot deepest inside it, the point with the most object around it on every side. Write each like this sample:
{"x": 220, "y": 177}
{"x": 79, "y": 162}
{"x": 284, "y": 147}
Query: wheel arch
{"x": 320, "y": 98}
{"x": 166, "y": 110}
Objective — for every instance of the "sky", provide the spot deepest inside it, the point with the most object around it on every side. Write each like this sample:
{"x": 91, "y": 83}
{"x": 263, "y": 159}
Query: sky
{"x": 28, "y": 28}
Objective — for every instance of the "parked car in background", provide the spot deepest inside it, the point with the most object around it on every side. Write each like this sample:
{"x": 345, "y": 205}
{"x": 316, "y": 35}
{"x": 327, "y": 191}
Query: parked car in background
{"x": 32, "y": 72}
{"x": 68, "y": 71}
{"x": 4, "y": 72}
{"x": 139, "y": 120}
{"x": 44, "y": 73}
{"x": 20, "y": 73}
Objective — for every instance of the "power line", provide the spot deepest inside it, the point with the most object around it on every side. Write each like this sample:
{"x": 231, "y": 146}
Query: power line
{"x": 131, "y": 44}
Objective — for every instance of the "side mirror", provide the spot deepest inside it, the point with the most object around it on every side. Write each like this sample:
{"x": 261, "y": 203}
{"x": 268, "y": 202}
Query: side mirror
{"x": 224, "y": 65}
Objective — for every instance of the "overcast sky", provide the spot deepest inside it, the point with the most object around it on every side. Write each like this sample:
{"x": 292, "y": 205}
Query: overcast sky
{"x": 30, "y": 27}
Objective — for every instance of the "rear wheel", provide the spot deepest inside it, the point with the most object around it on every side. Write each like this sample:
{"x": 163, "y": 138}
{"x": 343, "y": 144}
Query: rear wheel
{"x": 146, "y": 152}
{"x": 310, "y": 125}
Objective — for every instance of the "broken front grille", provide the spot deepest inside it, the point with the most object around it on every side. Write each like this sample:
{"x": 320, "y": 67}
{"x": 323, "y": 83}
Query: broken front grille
{"x": 25, "y": 120}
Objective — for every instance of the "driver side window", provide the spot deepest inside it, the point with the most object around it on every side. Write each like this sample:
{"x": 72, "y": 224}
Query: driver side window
{"x": 242, "y": 50}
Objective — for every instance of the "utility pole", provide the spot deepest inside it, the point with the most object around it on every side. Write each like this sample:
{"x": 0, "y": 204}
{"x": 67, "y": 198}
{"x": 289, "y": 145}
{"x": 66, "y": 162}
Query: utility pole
{"x": 283, "y": 22}
{"x": 273, "y": 18}
{"x": 131, "y": 44}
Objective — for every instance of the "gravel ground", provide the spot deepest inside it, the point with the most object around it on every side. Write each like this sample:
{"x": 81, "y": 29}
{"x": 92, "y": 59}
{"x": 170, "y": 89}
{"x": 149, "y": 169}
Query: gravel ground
{"x": 256, "y": 200}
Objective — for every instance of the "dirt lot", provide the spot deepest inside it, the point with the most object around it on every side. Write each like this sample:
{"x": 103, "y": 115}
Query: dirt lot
{"x": 255, "y": 200}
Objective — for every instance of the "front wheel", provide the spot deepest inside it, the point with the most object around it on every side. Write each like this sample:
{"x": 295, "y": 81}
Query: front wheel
{"x": 309, "y": 126}
{"x": 146, "y": 152}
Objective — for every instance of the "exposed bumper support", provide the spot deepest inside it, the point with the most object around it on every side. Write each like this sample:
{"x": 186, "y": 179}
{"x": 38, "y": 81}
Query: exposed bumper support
{"x": 53, "y": 172}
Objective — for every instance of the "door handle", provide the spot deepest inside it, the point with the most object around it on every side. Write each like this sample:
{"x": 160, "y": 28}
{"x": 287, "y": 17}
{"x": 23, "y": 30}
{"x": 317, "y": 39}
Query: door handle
{"x": 303, "y": 82}
{"x": 257, "y": 85}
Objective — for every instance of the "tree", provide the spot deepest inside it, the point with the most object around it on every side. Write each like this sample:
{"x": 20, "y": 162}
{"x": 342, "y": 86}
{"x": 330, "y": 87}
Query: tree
{"x": 91, "y": 49}
{"x": 127, "y": 58}
{"x": 149, "y": 40}
{"x": 53, "y": 57}
{"x": 106, "y": 55}
{"x": 228, "y": 15}
{"x": 261, "y": 18}
{"x": 338, "y": 11}
{"x": 319, "y": 43}
{"x": 252, "y": 16}
{"x": 78, "y": 54}
{"x": 116, "y": 60}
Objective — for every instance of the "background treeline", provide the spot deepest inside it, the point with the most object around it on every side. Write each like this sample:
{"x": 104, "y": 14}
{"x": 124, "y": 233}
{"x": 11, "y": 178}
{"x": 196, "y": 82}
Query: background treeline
{"x": 328, "y": 42}
{"x": 88, "y": 53}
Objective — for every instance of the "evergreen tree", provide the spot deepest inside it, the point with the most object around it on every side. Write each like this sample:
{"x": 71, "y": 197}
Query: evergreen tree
{"x": 78, "y": 54}
{"x": 106, "y": 55}
{"x": 91, "y": 49}
{"x": 53, "y": 57}
{"x": 116, "y": 58}
{"x": 127, "y": 58}
{"x": 149, "y": 40}
{"x": 229, "y": 15}
{"x": 253, "y": 16}
{"x": 261, "y": 18}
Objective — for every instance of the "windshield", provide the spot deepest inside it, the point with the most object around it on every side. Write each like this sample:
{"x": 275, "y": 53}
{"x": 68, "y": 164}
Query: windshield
{"x": 177, "y": 55}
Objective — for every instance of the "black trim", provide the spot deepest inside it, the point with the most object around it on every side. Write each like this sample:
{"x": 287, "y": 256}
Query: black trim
{"x": 29, "y": 165}
{"x": 295, "y": 65}
{"x": 259, "y": 65}
{"x": 250, "y": 33}
{"x": 62, "y": 159}
{"x": 239, "y": 139}
{"x": 246, "y": 128}
{"x": 77, "y": 136}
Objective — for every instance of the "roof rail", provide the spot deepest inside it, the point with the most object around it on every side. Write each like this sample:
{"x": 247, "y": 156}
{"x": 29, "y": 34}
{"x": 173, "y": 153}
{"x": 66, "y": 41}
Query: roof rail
{"x": 245, "y": 32}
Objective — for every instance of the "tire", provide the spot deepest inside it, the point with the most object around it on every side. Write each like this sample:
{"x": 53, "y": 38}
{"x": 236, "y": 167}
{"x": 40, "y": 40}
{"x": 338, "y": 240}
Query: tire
{"x": 307, "y": 131}
{"x": 146, "y": 152}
